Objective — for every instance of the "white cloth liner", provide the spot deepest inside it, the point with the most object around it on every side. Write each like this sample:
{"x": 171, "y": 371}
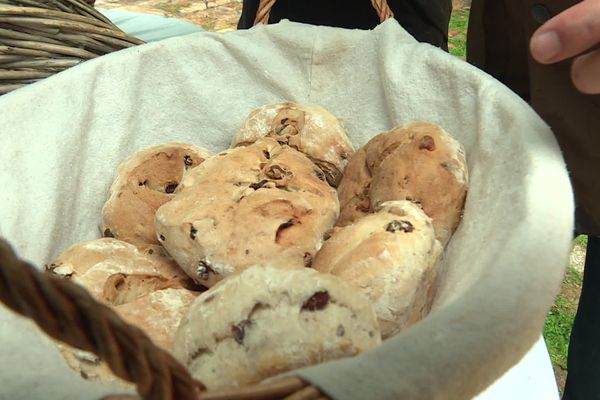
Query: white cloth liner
{"x": 62, "y": 139}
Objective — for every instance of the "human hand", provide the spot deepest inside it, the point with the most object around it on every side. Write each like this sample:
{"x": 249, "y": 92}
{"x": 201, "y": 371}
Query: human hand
{"x": 568, "y": 34}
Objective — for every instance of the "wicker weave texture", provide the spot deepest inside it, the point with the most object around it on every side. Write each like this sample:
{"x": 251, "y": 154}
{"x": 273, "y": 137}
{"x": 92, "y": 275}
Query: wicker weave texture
{"x": 41, "y": 38}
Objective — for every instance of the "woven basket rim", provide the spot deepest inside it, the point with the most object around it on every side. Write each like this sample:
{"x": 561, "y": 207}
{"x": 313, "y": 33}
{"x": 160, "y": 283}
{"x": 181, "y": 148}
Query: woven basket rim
{"x": 39, "y": 41}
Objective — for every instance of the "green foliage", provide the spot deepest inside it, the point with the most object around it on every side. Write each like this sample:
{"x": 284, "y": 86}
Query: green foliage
{"x": 557, "y": 330}
{"x": 573, "y": 279}
{"x": 457, "y": 40}
{"x": 558, "y": 324}
{"x": 581, "y": 240}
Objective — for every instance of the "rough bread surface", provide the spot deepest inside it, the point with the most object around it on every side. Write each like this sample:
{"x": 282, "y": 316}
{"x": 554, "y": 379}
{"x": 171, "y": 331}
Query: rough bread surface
{"x": 158, "y": 314}
{"x": 144, "y": 286}
{"x": 391, "y": 256}
{"x": 143, "y": 182}
{"x": 90, "y": 366}
{"x": 308, "y": 128}
{"x": 261, "y": 204}
{"x": 268, "y": 320}
{"x": 419, "y": 162}
{"x": 115, "y": 272}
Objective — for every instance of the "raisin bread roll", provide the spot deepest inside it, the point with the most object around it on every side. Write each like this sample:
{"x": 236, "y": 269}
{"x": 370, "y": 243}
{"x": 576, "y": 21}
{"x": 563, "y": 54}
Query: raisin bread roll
{"x": 103, "y": 265}
{"x": 353, "y": 191}
{"x": 309, "y": 129}
{"x": 157, "y": 313}
{"x": 264, "y": 203}
{"x": 391, "y": 256}
{"x": 267, "y": 320}
{"x": 419, "y": 162}
{"x": 145, "y": 288}
{"x": 145, "y": 181}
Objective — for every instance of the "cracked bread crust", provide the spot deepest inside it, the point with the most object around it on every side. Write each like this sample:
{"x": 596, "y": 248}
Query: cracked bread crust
{"x": 143, "y": 182}
{"x": 266, "y": 320}
{"x": 310, "y": 129}
{"x": 144, "y": 287}
{"x": 260, "y": 204}
{"x": 391, "y": 256}
{"x": 419, "y": 162}
{"x": 99, "y": 265}
{"x": 158, "y": 314}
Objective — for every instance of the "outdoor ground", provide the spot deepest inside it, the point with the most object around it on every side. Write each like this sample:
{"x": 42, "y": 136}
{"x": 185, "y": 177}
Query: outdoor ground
{"x": 560, "y": 319}
{"x": 212, "y": 15}
{"x": 222, "y": 15}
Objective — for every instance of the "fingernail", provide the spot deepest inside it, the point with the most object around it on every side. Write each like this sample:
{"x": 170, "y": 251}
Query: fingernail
{"x": 545, "y": 46}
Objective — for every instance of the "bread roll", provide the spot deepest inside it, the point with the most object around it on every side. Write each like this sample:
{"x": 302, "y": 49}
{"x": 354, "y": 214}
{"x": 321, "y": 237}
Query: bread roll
{"x": 264, "y": 203}
{"x": 353, "y": 191}
{"x": 391, "y": 256}
{"x": 309, "y": 129}
{"x": 266, "y": 320}
{"x": 116, "y": 272}
{"x": 143, "y": 182}
{"x": 419, "y": 162}
{"x": 91, "y": 367}
{"x": 146, "y": 289}
{"x": 158, "y": 314}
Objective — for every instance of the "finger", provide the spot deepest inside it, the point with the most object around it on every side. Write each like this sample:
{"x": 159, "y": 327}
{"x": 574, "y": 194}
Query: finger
{"x": 569, "y": 33}
{"x": 585, "y": 73}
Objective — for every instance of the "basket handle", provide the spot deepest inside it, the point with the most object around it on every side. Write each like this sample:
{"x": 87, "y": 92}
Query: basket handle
{"x": 265, "y": 6}
{"x": 67, "y": 312}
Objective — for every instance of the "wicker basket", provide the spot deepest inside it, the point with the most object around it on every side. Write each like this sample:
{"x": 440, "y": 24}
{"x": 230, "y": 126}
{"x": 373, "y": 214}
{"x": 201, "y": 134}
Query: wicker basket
{"x": 39, "y": 38}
